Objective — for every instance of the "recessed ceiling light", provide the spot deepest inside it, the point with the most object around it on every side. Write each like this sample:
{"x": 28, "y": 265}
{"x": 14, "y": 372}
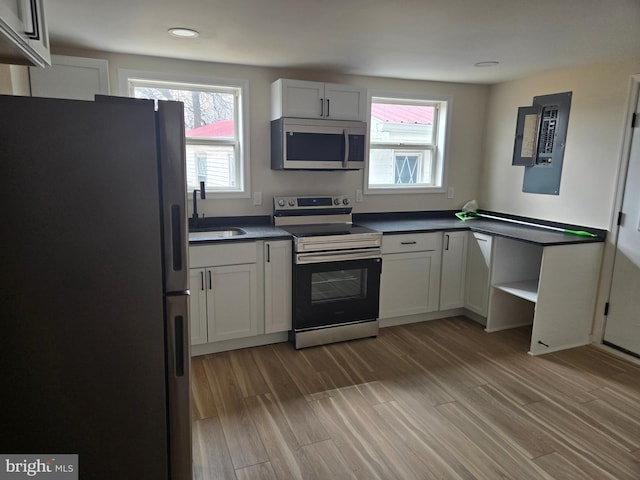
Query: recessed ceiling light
{"x": 491, "y": 63}
{"x": 183, "y": 32}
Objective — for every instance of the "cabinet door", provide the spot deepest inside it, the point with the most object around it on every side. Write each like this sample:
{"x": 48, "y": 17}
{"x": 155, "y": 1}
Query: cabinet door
{"x": 198, "y": 306}
{"x": 302, "y": 99}
{"x": 76, "y": 78}
{"x": 24, "y": 38}
{"x": 454, "y": 269}
{"x": 232, "y": 305}
{"x": 277, "y": 286}
{"x": 344, "y": 102}
{"x": 11, "y": 18}
{"x": 410, "y": 283}
{"x": 478, "y": 273}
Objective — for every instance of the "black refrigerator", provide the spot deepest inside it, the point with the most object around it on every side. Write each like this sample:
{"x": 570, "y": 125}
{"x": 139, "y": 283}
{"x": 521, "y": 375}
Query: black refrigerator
{"x": 94, "y": 341}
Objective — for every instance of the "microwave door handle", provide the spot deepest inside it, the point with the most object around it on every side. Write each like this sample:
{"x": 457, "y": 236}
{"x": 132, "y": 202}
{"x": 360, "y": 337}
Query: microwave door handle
{"x": 345, "y": 161}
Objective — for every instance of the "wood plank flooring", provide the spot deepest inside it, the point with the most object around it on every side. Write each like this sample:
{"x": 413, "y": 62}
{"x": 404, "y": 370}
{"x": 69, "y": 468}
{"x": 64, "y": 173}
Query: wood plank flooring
{"x": 433, "y": 400}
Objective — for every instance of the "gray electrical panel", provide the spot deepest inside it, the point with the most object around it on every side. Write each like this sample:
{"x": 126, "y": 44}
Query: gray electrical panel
{"x": 541, "y": 133}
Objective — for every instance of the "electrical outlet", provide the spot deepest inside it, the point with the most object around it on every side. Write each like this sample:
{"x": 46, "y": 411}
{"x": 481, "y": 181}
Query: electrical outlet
{"x": 450, "y": 192}
{"x": 358, "y": 195}
{"x": 257, "y": 198}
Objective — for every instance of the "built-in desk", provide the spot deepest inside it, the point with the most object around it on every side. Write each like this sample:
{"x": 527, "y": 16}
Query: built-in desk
{"x": 551, "y": 287}
{"x": 537, "y": 277}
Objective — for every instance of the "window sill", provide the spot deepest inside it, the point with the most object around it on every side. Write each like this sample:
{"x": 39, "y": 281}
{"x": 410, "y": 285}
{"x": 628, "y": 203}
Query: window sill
{"x": 219, "y": 194}
{"x": 402, "y": 190}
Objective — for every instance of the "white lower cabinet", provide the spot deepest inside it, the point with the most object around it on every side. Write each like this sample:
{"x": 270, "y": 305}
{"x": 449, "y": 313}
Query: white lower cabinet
{"x": 277, "y": 286}
{"x": 454, "y": 270}
{"x": 224, "y": 292}
{"x": 198, "y": 306}
{"x": 232, "y": 302}
{"x": 410, "y": 281}
{"x": 478, "y": 273}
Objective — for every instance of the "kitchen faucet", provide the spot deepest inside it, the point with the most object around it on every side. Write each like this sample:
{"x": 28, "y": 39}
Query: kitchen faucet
{"x": 203, "y": 195}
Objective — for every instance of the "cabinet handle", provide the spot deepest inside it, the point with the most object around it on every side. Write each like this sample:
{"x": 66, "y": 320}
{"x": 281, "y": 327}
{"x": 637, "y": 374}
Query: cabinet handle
{"x": 268, "y": 253}
{"x": 447, "y": 237}
{"x": 327, "y": 107}
{"x": 322, "y": 107}
{"x": 209, "y": 272}
{"x": 413, "y": 242}
{"x": 202, "y": 281}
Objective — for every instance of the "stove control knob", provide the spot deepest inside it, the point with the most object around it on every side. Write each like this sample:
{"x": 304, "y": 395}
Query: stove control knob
{"x": 336, "y": 201}
{"x": 292, "y": 202}
{"x": 345, "y": 201}
{"x": 281, "y": 203}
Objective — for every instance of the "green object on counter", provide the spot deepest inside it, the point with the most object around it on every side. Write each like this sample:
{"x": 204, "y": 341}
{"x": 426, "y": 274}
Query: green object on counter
{"x": 466, "y": 215}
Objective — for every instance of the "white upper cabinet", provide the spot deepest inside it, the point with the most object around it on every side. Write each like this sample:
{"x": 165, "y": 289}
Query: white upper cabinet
{"x": 24, "y": 39}
{"x": 303, "y": 99}
{"x": 76, "y": 78}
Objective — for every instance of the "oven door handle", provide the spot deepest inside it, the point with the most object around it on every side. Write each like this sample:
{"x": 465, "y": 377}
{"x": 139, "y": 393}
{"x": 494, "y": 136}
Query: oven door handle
{"x": 325, "y": 257}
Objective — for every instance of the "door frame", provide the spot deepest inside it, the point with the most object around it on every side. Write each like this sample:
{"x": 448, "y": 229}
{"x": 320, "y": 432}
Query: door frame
{"x": 608, "y": 261}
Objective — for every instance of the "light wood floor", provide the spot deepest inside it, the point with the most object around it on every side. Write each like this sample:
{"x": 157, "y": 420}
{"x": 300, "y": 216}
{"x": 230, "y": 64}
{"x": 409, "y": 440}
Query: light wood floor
{"x": 434, "y": 400}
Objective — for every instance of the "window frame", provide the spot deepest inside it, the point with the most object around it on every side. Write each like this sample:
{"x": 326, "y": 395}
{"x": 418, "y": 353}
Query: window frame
{"x": 439, "y": 150}
{"x": 128, "y": 79}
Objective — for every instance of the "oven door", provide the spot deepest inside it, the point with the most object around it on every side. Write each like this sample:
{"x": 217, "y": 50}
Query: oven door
{"x": 332, "y": 288}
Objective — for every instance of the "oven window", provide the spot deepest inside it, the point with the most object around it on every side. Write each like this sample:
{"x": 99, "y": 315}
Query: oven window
{"x": 338, "y": 285}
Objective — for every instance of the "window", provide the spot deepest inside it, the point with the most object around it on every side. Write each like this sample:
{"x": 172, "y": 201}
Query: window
{"x": 215, "y": 145}
{"x": 406, "y": 145}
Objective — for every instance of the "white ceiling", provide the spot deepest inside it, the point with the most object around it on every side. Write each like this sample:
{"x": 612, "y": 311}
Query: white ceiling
{"x": 414, "y": 39}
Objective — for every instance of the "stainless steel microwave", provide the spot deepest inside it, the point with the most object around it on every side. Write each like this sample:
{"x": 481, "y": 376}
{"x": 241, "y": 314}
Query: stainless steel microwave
{"x": 308, "y": 144}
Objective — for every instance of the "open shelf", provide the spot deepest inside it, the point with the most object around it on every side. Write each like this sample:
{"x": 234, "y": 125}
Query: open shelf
{"x": 527, "y": 289}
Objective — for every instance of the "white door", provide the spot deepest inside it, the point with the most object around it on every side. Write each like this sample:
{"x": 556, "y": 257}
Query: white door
{"x": 623, "y": 322}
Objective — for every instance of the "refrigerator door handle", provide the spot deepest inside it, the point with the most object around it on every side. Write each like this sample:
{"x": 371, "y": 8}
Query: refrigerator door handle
{"x": 177, "y": 237}
{"x": 178, "y": 327}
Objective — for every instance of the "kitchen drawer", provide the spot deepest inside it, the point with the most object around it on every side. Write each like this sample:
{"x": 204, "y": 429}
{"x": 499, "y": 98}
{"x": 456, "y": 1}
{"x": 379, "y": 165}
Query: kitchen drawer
{"x": 411, "y": 242}
{"x": 213, "y": 255}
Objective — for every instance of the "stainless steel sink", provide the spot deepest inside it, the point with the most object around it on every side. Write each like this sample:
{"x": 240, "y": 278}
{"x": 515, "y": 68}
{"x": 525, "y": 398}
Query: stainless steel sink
{"x": 223, "y": 232}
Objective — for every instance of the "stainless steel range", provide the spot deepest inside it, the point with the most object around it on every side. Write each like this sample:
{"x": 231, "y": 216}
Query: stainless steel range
{"x": 336, "y": 272}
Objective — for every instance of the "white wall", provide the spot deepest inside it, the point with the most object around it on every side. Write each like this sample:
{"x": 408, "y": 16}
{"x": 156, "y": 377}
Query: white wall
{"x": 593, "y": 147}
{"x": 465, "y": 146}
{"x": 14, "y": 80}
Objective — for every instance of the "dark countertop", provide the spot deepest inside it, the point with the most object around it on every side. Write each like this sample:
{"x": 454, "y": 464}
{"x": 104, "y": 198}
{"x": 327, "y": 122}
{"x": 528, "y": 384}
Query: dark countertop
{"x": 412, "y": 223}
{"x": 255, "y": 228}
{"x": 260, "y": 228}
